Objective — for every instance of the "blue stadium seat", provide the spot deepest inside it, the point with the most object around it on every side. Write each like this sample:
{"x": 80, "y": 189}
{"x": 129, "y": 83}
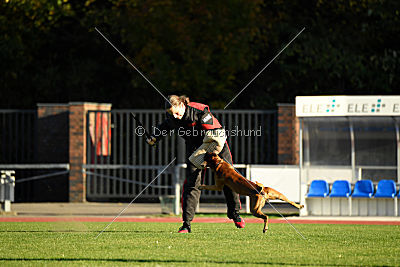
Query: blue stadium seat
{"x": 318, "y": 188}
{"x": 386, "y": 189}
{"x": 363, "y": 188}
{"x": 340, "y": 188}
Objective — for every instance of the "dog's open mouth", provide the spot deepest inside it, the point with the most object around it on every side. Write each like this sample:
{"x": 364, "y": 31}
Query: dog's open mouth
{"x": 210, "y": 159}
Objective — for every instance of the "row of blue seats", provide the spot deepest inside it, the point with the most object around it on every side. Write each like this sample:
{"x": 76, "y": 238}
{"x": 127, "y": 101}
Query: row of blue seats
{"x": 362, "y": 188}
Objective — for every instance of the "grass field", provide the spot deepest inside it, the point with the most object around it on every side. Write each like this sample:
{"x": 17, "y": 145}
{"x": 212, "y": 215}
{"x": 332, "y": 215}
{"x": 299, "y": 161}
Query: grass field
{"x": 151, "y": 244}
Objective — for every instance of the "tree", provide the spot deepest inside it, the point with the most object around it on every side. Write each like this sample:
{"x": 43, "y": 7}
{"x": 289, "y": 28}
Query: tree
{"x": 348, "y": 47}
{"x": 208, "y": 50}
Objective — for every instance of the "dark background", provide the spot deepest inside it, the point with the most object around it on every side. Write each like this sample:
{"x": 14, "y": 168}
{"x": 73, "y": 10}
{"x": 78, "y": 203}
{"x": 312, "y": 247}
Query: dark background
{"x": 208, "y": 50}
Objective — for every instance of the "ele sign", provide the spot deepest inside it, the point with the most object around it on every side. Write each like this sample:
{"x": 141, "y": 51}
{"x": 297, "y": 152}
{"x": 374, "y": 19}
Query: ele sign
{"x": 312, "y": 106}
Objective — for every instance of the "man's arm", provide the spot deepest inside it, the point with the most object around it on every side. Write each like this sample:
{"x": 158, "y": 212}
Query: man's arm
{"x": 157, "y": 134}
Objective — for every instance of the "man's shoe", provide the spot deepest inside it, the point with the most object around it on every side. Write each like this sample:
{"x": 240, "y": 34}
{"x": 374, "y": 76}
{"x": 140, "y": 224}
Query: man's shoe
{"x": 239, "y": 221}
{"x": 185, "y": 228}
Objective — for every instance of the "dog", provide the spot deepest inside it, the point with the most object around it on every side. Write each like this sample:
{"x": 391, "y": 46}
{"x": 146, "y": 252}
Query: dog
{"x": 227, "y": 175}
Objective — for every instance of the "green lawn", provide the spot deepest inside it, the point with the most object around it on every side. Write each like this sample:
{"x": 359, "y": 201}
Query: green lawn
{"x": 74, "y": 243}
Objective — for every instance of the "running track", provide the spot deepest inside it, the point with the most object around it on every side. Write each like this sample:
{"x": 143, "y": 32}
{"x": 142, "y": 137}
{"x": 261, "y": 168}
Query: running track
{"x": 296, "y": 220}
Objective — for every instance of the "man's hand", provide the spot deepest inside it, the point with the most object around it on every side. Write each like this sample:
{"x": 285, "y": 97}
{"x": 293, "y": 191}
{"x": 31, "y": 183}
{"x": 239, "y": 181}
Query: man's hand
{"x": 151, "y": 141}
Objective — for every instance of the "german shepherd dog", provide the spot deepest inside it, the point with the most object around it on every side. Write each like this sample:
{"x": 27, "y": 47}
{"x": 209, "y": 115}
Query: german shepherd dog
{"x": 227, "y": 175}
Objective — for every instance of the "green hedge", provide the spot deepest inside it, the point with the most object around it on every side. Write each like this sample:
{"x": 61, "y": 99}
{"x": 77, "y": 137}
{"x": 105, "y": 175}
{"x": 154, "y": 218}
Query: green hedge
{"x": 208, "y": 50}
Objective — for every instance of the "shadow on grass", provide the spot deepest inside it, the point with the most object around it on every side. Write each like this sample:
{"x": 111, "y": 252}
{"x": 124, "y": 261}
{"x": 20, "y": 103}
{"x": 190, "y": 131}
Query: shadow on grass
{"x": 65, "y": 260}
{"x": 80, "y": 231}
{"x": 247, "y": 215}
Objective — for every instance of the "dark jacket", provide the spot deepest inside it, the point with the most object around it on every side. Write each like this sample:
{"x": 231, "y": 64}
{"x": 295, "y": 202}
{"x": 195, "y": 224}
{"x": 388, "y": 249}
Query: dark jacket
{"x": 196, "y": 120}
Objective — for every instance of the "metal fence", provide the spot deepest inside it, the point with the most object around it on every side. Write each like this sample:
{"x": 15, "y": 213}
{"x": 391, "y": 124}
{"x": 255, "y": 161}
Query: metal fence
{"x": 17, "y": 136}
{"x": 19, "y": 152}
{"x": 120, "y": 164}
{"x": 18, "y": 145}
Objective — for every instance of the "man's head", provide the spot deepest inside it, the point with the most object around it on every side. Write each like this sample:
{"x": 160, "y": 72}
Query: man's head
{"x": 176, "y": 105}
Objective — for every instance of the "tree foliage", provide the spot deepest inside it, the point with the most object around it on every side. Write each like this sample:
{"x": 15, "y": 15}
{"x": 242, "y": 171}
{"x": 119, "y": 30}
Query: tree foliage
{"x": 348, "y": 47}
{"x": 208, "y": 50}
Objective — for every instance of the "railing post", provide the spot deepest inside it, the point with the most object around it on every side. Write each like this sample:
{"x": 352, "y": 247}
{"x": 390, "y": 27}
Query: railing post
{"x": 177, "y": 174}
{"x": 248, "y": 176}
{"x": 177, "y": 188}
{"x": 7, "y": 183}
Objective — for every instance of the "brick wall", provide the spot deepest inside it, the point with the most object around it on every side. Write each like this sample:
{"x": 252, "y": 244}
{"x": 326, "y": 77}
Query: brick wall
{"x": 51, "y": 146}
{"x": 288, "y": 135}
{"x": 77, "y": 147}
{"x": 61, "y": 138}
{"x": 53, "y": 132}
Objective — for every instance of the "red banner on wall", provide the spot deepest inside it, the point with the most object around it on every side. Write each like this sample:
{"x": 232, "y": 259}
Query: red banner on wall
{"x": 100, "y": 132}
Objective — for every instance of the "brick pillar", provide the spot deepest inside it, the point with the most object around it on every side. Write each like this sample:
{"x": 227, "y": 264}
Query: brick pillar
{"x": 288, "y": 135}
{"x": 52, "y": 132}
{"x": 77, "y": 147}
{"x": 51, "y": 146}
